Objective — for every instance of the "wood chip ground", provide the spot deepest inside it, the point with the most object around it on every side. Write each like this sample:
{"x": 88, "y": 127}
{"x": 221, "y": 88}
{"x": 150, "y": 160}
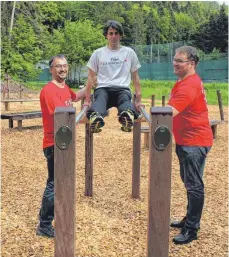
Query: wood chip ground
{"x": 110, "y": 223}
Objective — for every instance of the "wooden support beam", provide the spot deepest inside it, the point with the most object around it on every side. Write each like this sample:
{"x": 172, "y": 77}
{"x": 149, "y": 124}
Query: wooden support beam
{"x": 136, "y": 156}
{"x": 88, "y": 161}
{"x": 64, "y": 181}
{"x": 159, "y": 182}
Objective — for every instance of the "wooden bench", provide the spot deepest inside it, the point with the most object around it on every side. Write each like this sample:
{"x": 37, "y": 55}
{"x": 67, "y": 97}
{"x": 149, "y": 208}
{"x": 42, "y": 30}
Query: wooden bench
{"x": 213, "y": 123}
{"x": 20, "y": 116}
{"x": 7, "y": 101}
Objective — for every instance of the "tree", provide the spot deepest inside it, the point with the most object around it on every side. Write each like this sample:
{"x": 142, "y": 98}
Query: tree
{"x": 79, "y": 40}
{"x": 213, "y": 34}
{"x": 22, "y": 52}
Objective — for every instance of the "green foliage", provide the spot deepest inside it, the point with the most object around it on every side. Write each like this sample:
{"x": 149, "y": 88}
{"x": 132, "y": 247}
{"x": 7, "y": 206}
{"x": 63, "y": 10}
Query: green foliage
{"x": 213, "y": 34}
{"x": 44, "y": 28}
{"x": 21, "y": 51}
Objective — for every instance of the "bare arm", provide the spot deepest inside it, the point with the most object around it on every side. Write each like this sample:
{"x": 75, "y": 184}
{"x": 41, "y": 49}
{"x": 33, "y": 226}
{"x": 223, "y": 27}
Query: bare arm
{"x": 137, "y": 87}
{"x": 80, "y": 94}
{"x": 175, "y": 111}
{"x": 89, "y": 85}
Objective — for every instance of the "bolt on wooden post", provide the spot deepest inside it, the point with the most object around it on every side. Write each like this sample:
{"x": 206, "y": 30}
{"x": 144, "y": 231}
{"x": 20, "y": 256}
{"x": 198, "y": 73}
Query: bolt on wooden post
{"x": 160, "y": 163}
{"x": 64, "y": 181}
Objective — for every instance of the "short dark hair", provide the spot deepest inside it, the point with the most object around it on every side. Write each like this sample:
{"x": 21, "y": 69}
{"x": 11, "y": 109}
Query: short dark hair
{"x": 61, "y": 56}
{"x": 191, "y": 53}
{"x": 114, "y": 25}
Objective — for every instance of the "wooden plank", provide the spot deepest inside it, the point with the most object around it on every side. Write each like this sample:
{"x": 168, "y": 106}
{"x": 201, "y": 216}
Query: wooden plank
{"x": 19, "y": 100}
{"x": 159, "y": 187}
{"x": 22, "y": 116}
{"x": 64, "y": 186}
{"x": 88, "y": 161}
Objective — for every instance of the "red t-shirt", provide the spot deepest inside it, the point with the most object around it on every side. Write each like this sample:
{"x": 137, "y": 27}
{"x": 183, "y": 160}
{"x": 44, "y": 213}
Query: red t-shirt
{"x": 191, "y": 126}
{"x": 52, "y": 96}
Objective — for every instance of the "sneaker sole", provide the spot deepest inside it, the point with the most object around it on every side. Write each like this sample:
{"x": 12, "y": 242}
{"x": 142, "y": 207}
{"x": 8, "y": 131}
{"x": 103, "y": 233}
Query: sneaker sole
{"x": 96, "y": 125}
{"x": 127, "y": 123}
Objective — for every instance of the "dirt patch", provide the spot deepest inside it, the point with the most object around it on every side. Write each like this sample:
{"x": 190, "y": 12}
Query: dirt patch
{"x": 110, "y": 223}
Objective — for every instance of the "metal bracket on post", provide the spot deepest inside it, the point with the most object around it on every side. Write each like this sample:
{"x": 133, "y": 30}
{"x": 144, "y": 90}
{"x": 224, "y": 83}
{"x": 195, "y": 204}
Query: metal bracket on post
{"x": 162, "y": 138}
{"x": 63, "y": 137}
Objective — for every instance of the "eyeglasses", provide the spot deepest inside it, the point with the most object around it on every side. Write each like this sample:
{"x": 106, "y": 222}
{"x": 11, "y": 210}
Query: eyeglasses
{"x": 113, "y": 33}
{"x": 58, "y": 66}
{"x": 180, "y": 61}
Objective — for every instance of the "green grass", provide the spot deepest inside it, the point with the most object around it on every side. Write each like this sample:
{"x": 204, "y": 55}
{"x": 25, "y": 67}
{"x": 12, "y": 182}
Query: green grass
{"x": 163, "y": 88}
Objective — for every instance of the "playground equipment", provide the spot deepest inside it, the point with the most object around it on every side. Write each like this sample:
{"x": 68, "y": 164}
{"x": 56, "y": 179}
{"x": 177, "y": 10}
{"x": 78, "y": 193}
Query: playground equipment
{"x": 160, "y": 123}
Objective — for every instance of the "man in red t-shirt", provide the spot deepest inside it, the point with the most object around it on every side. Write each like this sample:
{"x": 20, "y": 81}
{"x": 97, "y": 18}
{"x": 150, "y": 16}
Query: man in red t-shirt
{"x": 193, "y": 136}
{"x": 54, "y": 94}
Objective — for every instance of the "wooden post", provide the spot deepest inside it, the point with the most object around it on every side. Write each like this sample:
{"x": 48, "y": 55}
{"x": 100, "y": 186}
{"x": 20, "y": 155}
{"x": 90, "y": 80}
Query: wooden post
{"x": 153, "y": 100}
{"x": 163, "y": 101}
{"x": 159, "y": 181}
{"x": 220, "y": 105}
{"x": 136, "y": 158}
{"x": 20, "y": 92}
{"x": 7, "y": 86}
{"x": 64, "y": 181}
{"x": 88, "y": 161}
{"x": 88, "y": 157}
{"x": 19, "y": 124}
{"x": 7, "y": 106}
{"x": 146, "y": 135}
{"x": 11, "y": 123}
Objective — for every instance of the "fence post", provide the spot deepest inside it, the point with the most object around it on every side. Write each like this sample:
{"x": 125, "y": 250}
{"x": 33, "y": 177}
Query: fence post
{"x": 159, "y": 181}
{"x": 220, "y": 105}
{"x": 136, "y": 158}
{"x": 64, "y": 181}
{"x": 163, "y": 101}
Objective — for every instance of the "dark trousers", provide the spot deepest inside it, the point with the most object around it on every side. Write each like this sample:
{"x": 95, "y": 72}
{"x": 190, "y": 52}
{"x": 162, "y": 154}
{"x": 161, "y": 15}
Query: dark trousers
{"x": 192, "y": 161}
{"x": 105, "y": 98}
{"x": 46, "y": 214}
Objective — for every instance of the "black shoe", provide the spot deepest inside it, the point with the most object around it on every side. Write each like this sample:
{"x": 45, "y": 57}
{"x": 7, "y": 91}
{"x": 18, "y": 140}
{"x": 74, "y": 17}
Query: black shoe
{"x": 178, "y": 224}
{"x": 47, "y": 231}
{"x": 186, "y": 236}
